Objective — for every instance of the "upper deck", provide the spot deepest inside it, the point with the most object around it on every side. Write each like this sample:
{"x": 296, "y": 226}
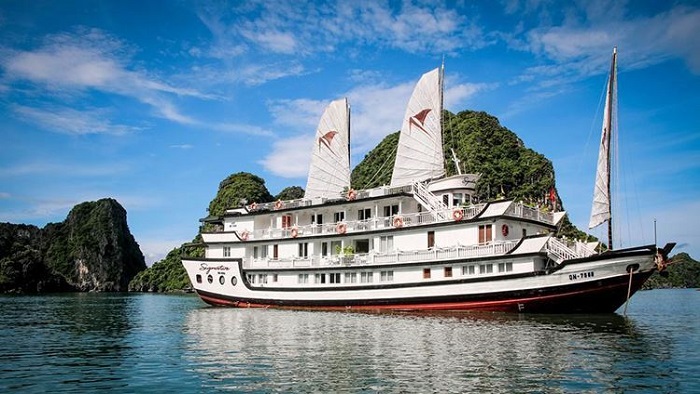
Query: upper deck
{"x": 366, "y": 211}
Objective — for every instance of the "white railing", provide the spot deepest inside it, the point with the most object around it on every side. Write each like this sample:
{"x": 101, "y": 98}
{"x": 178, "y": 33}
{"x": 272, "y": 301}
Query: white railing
{"x": 429, "y": 200}
{"x": 430, "y": 255}
{"x": 523, "y": 211}
{"x": 560, "y": 251}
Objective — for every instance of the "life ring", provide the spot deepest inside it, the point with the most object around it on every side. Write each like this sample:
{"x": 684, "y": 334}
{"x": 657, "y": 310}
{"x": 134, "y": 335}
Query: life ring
{"x": 504, "y": 230}
{"x": 352, "y": 194}
{"x": 341, "y": 228}
{"x": 398, "y": 222}
{"x": 294, "y": 232}
{"x": 253, "y": 207}
{"x": 244, "y": 235}
{"x": 457, "y": 215}
{"x": 279, "y": 204}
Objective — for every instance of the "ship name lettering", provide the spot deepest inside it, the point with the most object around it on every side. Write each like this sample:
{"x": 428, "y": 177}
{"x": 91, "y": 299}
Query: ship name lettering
{"x": 207, "y": 268}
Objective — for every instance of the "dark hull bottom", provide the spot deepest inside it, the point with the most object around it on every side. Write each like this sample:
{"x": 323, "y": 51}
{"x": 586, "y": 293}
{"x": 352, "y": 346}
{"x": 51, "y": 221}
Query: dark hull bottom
{"x": 601, "y": 296}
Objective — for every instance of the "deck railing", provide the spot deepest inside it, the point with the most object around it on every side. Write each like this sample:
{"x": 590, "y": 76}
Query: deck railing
{"x": 359, "y": 259}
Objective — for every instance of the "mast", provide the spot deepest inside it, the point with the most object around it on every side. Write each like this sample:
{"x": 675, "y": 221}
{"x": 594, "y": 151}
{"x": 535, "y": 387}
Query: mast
{"x": 602, "y": 211}
{"x": 610, "y": 99}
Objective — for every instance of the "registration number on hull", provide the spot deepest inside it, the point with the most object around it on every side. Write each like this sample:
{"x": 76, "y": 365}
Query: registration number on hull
{"x": 581, "y": 275}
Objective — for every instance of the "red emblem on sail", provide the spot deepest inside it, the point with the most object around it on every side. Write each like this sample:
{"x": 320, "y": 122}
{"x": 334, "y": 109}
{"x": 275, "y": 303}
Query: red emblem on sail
{"x": 418, "y": 120}
{"x": 326, "y": 139}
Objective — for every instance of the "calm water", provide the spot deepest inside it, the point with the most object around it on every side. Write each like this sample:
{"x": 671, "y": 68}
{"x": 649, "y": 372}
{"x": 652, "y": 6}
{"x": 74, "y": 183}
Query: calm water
{"x": 170, "y": 343}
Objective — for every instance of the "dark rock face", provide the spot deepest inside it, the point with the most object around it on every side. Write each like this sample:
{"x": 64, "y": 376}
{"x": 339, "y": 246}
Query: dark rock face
{"x": 92, "y": 250}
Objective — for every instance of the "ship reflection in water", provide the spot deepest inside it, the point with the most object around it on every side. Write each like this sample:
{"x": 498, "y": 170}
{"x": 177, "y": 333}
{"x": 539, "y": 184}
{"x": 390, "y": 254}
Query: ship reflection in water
{"x": 272, "y": 350}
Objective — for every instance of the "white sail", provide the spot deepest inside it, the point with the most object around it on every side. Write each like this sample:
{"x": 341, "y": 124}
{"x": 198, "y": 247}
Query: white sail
{"x": 329, "y": 172}
{"x": 419, "y": 155}
{"x": 600, "y": 212}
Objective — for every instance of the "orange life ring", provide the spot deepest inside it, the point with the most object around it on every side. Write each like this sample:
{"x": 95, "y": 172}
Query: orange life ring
{"x": 295, "y": 232}
{"x": 244, "y": 235}
{"x": 458, "y": 215}
{"x": 341, "y": 228}
{"x": 352, "y": 194}
{"x": 398, "y": 222}
{"x": 504, "y": 230}
{"x": 279, "y": 204}
{"x": 253, "y": 207}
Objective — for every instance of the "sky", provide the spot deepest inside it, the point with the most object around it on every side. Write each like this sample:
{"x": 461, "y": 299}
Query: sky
{"x": 153, "y": 103}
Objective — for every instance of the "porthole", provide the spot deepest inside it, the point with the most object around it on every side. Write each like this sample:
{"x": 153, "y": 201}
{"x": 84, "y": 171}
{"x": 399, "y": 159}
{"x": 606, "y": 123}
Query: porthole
{"x": 234, "y": 281}
{"x": 210, "y": 279}
{"x": 199, "y": 278}
{"x": 222, "y": 280}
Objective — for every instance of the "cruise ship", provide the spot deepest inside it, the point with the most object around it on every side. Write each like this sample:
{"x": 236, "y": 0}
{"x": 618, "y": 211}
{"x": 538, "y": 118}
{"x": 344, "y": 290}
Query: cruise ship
{"x": 421, "y": 243}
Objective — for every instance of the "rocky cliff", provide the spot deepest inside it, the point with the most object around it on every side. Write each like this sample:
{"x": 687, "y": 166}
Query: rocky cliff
{"x": 92, "y": 250}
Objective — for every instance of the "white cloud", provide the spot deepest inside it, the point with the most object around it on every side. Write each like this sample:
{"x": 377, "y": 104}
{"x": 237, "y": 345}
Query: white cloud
{"x": 90, "y": 60}
{"x": 4, "y": 195}
{"x": 581, "y": 47}
{"x": 71, "y": 121}
{"x": 182, "y": 146}
{"x": 63, "y": 169}
{"x": 155, "y": 250}
{"x": 290, "y": 157}
{"x": 301, "y": 28}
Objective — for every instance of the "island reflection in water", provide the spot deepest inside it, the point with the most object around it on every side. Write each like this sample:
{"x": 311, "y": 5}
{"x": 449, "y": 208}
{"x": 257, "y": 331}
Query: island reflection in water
{"x": 271, "y": 350}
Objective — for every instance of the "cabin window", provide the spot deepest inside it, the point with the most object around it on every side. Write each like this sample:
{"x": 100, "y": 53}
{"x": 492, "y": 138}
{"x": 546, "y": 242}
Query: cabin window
{"x": 286, "y": 221}
{"x": 324, "y": 249}
{"x": 304, "y": 249}
{"x": 426, "y": 273}
{"x": 334, "y": 278}
{"x": 362, "y": 246}
{"x": 505, "y": 267}
{"x": 391, "y": 210}
{"x": 446, "y": 199}
{"x": 251, "y": 278}
{"x": 274, "y": 277}
{"x": 456, "y": 199}
{"x": 210, "y": 278}
{"x": 524, "y": 232}
{"x": 485, "y": 268}
{"x": 386, "y": 276}
{"x": 255, "y": 252}
{"x": 468, "y": 270}
{"x": 386, "y": 244}
{"x": 222, "y": 280}
{"x": 275, "y": 252}
{"x": 351, "y": 277}
{"x": 364, "y": 214}
{"x": 320, "y": 278}
{"x": 234, "y": 280}
{"x": 366, "y": 277}
{"x": 303, "y": 278}
{"x": 485, "y": 233}
{"x": 317, "y": 219}
{"x": 227, "y": 251}
{"x": 339, "y": 216}
{"x": 431, "y": 239}
{"x": 448, "y": 272}
{"x": 199, "y": 278}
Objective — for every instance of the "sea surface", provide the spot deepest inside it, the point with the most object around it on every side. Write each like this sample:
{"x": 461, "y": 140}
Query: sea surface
{"x": 149, "y": 343}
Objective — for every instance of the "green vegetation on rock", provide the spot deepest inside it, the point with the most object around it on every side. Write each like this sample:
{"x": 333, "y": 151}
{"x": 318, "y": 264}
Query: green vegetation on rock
{"x": 164, "y": 276}
{"x": 290, "y": 193}
{"x": 92, "y": 250}
{"x": 683, "y": 272}
{"x": 241, "y": 186}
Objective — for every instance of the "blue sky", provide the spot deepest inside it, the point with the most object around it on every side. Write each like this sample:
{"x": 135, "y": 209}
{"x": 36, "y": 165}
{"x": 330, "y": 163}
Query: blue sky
{"x": 155, "y": 102}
